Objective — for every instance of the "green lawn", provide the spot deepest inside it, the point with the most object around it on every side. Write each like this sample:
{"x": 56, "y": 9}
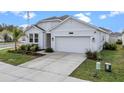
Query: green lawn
{"x": 13, "y": 58}
{"x": 87, "y": 69}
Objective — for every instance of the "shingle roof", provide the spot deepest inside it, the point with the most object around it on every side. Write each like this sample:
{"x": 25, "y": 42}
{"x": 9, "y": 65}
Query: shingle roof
{"x": 55, "y": 17}
{"x": 108, "y": 30}
{"x": 63, "y": 17}
{"x": 116, "y": 34}
{"x": 50, "y": 18}
{"x": 39, "y": 27}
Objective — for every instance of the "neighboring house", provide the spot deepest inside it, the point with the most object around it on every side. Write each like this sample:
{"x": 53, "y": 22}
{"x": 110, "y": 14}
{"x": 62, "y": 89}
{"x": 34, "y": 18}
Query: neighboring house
{"x": 5, "y": 37}
{"x": 67, "y": 34}
{"x": 1, "y": 40}
{"x": 114, "y": 37}
{"x": 107, "y": 36}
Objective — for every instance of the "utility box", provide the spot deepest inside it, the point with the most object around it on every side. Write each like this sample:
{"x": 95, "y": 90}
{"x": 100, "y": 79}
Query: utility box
{"x": 108, "y": 67}
{"x": 98, "y": 67}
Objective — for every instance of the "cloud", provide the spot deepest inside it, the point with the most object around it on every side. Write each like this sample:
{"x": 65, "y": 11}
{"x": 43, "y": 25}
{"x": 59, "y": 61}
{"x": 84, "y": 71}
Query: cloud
{"x": 114, "y": 13}
{"x": 24, "y": 25}
{"x": 24, "y": 14}
{"x": 2, "y": 12}
{"x": 31, "y": 15}
{"x": 17, "y": 12}
{"x": 103, "y": 17}
{"x": 83, "y": 17}
{"x": 88, "y": 13}
{"x": 111, "y": 14}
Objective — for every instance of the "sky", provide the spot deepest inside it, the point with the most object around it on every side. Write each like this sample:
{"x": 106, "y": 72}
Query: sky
{"x": 113, "y": 20}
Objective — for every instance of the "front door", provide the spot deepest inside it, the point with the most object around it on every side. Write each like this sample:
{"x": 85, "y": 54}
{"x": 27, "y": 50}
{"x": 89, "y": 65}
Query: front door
{"x": 48, "y": 40}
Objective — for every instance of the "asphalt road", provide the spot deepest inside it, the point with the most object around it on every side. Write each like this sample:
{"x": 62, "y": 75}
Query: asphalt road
{"x": 6, "y": 45}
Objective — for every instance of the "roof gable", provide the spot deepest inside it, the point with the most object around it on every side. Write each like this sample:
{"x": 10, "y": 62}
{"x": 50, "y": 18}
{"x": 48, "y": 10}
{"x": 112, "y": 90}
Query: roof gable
{"x": 80, "y": 21}
{"x": 71, "y": 24}
{"x": 34, "y": 26}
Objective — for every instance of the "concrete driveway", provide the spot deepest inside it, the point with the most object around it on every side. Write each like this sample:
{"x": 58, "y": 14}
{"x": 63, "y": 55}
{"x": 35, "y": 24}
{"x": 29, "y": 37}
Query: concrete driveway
{"x": 50, "y": 68}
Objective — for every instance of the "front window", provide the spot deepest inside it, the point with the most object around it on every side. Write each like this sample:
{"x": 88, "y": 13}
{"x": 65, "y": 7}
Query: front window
{"x": 30, "y": 37}
{"x": 36, "y": 37}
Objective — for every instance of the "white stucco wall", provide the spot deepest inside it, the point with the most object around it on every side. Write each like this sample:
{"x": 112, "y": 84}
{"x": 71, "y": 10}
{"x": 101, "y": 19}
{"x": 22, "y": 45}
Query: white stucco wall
{"x": 33, "y": 30}
{"x": 101, "y": 39}
{"x": 79, "y": 29}
{"x": 71, "y": 25}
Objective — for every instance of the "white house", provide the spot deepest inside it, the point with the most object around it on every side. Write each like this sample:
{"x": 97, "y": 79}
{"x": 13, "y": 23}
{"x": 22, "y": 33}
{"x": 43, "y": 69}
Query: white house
{"x": 114, "y": 37}
{"x": 67, "y": 34}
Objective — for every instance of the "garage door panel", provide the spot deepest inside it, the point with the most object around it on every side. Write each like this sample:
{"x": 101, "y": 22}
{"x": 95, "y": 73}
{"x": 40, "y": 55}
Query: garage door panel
{"x": 72, "y": 44}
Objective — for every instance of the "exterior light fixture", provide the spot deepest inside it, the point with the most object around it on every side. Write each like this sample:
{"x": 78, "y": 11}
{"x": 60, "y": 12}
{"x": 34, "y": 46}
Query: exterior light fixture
{"x": 93, "y": 39}
{"x": 71, "y": 33}
{"x": 52, "y": 39}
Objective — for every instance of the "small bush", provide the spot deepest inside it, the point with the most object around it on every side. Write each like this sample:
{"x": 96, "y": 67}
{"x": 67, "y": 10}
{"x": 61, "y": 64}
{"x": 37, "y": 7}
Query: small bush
{"x": 119, "y": 42}
{"x": 28, "y": 47}
{"x": 33, "y": 48}
{"x": 108, "y": 46}
{"x": 26, "y": 52}
{"x": 49, "y": 50}
{"x": 122, "y": 46}
{"x": 91, "y": 55}
{"x": 22, "y": 47}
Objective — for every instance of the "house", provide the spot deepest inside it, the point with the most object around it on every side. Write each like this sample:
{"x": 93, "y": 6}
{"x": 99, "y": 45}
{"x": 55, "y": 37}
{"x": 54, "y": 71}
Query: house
{"x": 1, "y": 40}
{"x": 114, "y": 37}
{"x": 67, "y": 34}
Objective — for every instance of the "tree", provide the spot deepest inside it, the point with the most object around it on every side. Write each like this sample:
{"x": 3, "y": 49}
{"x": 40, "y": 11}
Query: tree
{"x": 123, "y": 31}
{"x": 17, "y": 33}
{"x": 5, "y": 36}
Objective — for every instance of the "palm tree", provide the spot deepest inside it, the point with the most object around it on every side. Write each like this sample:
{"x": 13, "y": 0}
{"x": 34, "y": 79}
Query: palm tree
{"x": 16, "y": 34}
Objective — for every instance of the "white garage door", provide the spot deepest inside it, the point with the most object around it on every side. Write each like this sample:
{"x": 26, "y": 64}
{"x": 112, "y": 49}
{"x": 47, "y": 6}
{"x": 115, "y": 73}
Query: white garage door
{"x": 72, "y": 44}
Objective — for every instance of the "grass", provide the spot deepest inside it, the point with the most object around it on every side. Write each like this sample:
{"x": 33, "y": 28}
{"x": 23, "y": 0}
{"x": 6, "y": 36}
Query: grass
{"x": 13, "y": 58}
{"x": 86, "y": 70}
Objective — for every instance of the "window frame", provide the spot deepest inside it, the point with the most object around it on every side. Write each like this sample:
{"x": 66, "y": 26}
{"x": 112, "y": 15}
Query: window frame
{"x": 31, "y": 39}
{"x": 36, "y": 40}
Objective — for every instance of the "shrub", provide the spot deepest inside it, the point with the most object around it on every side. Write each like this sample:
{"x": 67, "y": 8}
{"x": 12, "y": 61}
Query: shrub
{"x": 27, "y": 47}
{"x": 119, "y": 41}
{"x": 108, "y": 46}
{"x": 122, "y": 46}
{"x": 49, "y": 50}
{"x": 91, "y": 55}
{"x": 22, "y": 47}
{"x": 36, "y": 47}
{"x": 33, "y": 48}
